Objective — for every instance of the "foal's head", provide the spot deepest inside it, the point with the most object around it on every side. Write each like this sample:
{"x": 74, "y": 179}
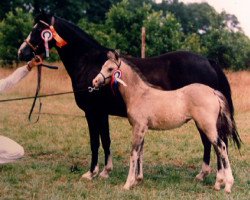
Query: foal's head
{"x": 110, "y": 66}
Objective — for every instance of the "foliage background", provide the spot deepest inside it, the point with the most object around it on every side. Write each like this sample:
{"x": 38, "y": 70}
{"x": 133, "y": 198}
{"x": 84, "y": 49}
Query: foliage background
{"x": 170, "y": 25}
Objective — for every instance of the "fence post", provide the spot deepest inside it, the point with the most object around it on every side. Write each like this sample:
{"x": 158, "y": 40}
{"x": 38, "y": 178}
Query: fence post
{"x": 143, "y": 42}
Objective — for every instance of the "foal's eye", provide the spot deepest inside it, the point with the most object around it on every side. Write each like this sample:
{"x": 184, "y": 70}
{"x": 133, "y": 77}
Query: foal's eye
{"x": 110, "y": 69}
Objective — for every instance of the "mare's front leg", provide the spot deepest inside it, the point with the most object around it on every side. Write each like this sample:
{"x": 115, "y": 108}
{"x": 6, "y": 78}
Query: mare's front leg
{"x": 105, "y": 138}
{"x": 93, "y": 124}
{"x": 137, "y": 148}
{"x": 205, "y": 169}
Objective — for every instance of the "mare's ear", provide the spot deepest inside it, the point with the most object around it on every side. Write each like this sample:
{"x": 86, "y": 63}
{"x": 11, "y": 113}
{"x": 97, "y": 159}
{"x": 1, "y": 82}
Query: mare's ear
{"x": 43, "y": 16}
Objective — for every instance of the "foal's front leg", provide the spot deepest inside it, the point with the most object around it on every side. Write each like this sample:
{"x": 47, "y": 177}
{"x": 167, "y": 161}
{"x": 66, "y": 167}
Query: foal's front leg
{"x": 137, "y": 145}
{"x": 139, "y": 175}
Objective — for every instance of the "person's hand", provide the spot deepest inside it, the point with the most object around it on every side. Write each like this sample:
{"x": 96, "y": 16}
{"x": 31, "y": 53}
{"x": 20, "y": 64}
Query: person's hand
{"x": 37, "y": 60}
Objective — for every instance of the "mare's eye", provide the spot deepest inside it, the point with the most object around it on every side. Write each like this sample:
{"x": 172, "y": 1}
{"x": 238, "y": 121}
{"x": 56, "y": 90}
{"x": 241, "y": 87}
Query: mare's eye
{"x": 110, "y": 69}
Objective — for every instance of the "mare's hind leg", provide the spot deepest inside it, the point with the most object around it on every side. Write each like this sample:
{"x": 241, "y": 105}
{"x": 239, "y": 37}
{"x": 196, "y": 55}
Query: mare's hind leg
{"x": 224, "y": 174}
{"x": 205, "y": 169}
{"x": 105, "y": 138}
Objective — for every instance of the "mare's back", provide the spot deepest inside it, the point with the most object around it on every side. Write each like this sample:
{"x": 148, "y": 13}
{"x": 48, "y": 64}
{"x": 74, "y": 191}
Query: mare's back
{"x": 176, "y": 69}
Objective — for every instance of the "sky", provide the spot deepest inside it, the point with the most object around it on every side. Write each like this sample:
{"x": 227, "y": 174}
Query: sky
{"x": 240, "y": 8}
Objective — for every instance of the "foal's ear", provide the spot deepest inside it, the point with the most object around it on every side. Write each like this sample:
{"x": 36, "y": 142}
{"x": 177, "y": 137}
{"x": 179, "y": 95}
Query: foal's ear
{"x": 114, "y": 55}
{"x": 117, "y": 55}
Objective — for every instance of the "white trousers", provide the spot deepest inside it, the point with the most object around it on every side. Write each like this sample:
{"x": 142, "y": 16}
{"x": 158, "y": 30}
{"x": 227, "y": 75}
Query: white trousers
{"x": 9, "y": 150}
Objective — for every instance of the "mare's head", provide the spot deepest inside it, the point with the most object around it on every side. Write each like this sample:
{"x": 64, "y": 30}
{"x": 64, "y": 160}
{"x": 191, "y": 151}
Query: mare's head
{"x": 34, "y": 44}
{"x": 110, "y": 66}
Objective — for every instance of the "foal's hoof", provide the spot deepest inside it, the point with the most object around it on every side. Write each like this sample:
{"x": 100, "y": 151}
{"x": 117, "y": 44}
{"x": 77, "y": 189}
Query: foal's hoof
{"x": 228, "y": 190}
{"x": 217, "y": 187}
{"x": 228, "y": 187}
{"x": 139, "y": 179}
{"x": 126, "y": 187}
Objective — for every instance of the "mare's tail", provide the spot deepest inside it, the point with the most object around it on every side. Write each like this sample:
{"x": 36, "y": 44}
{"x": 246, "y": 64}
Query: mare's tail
{"x": 225, "y": 124}
{"x": 224, "y": 86}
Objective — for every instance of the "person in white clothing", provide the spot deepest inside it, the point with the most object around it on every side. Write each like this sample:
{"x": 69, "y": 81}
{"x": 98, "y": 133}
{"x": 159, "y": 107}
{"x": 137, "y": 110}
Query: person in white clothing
{"x": 9, "y": 149}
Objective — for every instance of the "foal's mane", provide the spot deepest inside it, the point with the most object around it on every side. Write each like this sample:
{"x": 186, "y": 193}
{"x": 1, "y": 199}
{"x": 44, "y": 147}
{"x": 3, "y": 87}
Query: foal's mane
{"x": 137, "y": 71}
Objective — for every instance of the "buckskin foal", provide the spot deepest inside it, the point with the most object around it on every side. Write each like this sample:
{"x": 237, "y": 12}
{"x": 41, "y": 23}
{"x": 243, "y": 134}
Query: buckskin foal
{"x": 150, "y": 108}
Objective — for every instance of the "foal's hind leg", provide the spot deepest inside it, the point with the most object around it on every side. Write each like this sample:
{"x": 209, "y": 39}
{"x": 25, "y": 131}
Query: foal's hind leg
{"x": 206, "y": 169}
{"x": 224, "y": 174}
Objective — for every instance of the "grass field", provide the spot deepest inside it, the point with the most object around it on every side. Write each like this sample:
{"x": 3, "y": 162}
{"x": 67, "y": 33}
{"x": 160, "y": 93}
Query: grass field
{"x": 60, "y": 140}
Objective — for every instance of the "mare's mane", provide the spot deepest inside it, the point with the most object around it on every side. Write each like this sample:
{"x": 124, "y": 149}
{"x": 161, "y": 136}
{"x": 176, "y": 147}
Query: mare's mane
{"x": 79, "y": 36}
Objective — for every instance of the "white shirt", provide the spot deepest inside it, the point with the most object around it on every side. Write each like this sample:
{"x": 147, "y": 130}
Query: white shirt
{"x": 14, "y": 78}
{"x": 9, "y": 149}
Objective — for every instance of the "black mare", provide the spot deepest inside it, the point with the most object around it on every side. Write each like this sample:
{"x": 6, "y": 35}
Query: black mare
{"x": 83, "y": 58}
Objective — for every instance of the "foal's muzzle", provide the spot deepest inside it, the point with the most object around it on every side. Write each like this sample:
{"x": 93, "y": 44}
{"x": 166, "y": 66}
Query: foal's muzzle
{"x": 100, "y": 80}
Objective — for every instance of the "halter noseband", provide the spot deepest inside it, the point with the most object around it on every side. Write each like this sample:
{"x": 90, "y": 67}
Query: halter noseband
{"x": 31, "y": 46}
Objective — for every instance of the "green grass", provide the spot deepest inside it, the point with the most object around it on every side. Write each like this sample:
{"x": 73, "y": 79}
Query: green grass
{"x": 60, "y": 140}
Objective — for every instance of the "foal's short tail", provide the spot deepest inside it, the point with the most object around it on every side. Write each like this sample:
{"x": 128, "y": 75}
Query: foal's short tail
{"x": 225, "y": 124}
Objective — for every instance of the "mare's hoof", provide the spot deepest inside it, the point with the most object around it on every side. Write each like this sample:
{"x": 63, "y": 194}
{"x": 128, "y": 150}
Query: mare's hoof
{"x": 202, "y": 175}
{"x": 90, "y": 175}
{"x": 199, "y": 177}
{"x": 104, "y": 174}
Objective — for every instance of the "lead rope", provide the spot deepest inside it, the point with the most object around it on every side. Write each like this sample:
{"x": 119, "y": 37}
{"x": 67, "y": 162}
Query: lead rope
{"x": 39, "y": 76}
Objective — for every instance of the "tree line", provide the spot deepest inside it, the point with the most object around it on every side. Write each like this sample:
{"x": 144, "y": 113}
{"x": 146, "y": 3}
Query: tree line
{"x": 170, "y": 25}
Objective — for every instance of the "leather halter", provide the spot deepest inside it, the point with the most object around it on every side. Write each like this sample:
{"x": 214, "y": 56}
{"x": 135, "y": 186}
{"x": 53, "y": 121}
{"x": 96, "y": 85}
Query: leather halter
{"x": 31, "y": 46}
{"x": 105, "y": 78}
{"x": 60, "y": 42}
